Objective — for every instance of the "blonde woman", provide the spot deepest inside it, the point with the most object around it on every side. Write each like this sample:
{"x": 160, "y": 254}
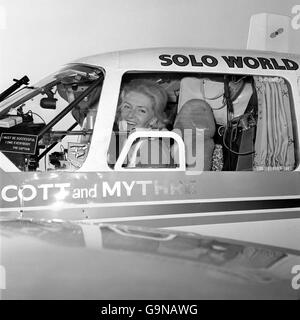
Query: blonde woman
{"x": 141, "y": 107}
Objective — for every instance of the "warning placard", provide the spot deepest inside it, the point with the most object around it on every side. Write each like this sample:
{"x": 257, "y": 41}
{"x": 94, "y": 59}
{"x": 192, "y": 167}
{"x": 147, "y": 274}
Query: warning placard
{"x": 18, "y": 143}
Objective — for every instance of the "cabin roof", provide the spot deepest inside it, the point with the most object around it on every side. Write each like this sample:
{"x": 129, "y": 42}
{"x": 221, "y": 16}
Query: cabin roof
{"x": 149, "y": 57}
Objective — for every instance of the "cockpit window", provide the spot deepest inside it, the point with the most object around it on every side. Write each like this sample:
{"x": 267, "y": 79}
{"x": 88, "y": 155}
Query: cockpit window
{"x": 49, "y": 126}
{"x": 227, "y": 122}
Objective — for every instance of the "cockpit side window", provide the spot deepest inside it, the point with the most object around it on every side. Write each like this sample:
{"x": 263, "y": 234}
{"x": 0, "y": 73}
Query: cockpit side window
{"x": 49, "y": 126}
{"x": 227, "y": 122}
{"x": 143, "y": 107}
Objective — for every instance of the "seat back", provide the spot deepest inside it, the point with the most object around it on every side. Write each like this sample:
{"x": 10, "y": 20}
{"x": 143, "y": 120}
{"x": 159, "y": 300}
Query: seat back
{"x": 196, "y": 114}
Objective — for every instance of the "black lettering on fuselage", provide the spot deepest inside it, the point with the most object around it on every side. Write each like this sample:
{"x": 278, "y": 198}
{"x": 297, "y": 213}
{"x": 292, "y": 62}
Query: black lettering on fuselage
{"x": 183, "y": 60}
{"x": 194, "y": 61}
{"x": 233, "y": 62}
{"x": 251, "y": 62}
{"x": 239, "y": 62}
{"x": 276, "y": 65}
{"x": 290, "y": 65}
{"x": 265, "y": 63}
{"x": 166, "y": 58}
{"x": 209, "y": 61}
{"x": 180, "y": 60}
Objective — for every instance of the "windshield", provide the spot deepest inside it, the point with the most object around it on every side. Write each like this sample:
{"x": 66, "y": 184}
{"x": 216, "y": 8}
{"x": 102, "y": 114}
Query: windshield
{"x": 41, "y": 124}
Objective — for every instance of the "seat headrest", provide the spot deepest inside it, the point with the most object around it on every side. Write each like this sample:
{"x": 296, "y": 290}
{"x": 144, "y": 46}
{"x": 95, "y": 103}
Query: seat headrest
{"x": 196, "y": 113}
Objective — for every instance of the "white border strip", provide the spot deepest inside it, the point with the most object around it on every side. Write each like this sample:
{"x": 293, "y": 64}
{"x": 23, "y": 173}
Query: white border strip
{"x": 61, "y": 206}
{"x": 189, "y": 215}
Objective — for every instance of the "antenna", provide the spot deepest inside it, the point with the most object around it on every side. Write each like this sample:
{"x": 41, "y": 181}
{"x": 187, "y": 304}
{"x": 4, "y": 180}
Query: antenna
{"x": 269, "y": 32}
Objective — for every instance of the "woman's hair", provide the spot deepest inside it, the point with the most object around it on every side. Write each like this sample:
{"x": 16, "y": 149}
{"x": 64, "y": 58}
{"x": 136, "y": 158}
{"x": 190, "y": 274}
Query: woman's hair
{"x": 154, "y": 91}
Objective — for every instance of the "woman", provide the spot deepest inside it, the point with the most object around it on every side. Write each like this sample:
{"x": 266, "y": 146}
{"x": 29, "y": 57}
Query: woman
{"x": 141, "y": 107}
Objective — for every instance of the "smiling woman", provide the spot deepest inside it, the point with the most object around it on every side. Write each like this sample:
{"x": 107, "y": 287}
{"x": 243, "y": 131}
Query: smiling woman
{"x": 141, "y": 107}
{"x": 142, "y": 104}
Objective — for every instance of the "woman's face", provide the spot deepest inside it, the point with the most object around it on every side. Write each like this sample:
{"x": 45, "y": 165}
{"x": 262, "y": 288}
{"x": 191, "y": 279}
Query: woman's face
{"x": 136, "y": 110}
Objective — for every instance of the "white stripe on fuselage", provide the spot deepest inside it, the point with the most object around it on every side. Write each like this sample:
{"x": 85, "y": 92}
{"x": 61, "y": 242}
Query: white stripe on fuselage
{"x": 60, "y": 205}
{"x": 190, "y": 215}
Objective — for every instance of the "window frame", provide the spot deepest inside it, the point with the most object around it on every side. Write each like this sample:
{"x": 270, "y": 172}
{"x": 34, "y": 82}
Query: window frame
{"x": 151, "y": 134}
{"x": 220, "y": 72}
